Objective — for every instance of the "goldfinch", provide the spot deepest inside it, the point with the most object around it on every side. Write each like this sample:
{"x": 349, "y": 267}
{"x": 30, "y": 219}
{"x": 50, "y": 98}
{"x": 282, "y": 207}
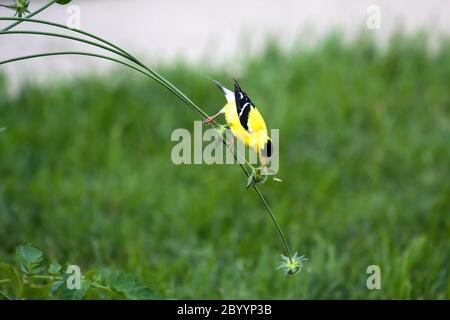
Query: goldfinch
{"x": 245, "y": 121}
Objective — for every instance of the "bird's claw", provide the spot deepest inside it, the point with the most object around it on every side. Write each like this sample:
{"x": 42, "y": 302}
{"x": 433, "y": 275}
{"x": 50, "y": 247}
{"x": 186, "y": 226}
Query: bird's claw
{"x": 208, "y": 120}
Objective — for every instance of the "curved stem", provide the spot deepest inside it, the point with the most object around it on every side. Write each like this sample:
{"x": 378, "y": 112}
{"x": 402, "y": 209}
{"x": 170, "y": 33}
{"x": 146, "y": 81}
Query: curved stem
{"x": 118, "y": 51}
{"x": 99, "y": 286}
{"x": 5, "y": 295}
{"x": 272, "y": 216}
{"x": 163, "y": 81}
{"x": 151, "y": 76}
{"x": 51, "y": 278}
{"x": 150, "y": 73}
{"x": 60, "y": 53}
{"x": 59, "y": 35}
{"x": 30, "y": 15}
{"x": 43, "y": 277}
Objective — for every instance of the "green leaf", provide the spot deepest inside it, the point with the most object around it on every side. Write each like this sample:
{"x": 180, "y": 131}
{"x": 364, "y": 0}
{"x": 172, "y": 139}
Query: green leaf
{"x": 2, "y": 129}
{"x": 54, "y": 268}
{"x": 63, "y": 1}
{"x": 130, "y": 286}
{"x": 29, "y": 259}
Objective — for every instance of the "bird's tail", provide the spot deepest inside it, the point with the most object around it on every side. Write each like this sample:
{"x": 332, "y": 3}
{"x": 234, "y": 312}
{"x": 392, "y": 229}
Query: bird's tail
{"x": 267, "y": 149}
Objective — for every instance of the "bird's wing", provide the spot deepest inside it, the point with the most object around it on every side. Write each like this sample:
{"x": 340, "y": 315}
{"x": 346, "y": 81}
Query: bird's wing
{"x": 229, "y": 95}
{"x": 249, "y": 117}
{"x": 243, "y": 105}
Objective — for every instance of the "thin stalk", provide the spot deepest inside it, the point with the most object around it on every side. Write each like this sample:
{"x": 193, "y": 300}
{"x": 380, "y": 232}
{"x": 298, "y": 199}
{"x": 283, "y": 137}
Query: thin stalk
{"x": 274, "y": 221}
{"x": 5, "y": 295}
{"x": 164, "y": 82}
{"x": 99, "y": 46}
{"x": 30, "y": 15}
{"x": 60, "y": 53}
{"x": 118, "y": 52}
{"x": 51, "y": 278}
{"x": 150, "y": 73}
{"x": 59, "y": 35}
{"x": 44, "y": 277}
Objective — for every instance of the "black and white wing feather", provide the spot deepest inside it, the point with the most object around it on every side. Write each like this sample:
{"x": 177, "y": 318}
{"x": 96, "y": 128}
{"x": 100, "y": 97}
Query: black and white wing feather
{"x": 243, "y": 105}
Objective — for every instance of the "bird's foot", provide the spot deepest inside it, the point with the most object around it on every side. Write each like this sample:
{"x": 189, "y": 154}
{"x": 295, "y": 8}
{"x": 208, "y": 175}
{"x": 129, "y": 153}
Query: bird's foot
{"x": 209, "y": 120}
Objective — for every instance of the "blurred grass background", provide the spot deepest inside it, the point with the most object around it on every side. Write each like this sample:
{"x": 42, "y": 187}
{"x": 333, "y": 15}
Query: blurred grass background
{"x": 86, "y": 175}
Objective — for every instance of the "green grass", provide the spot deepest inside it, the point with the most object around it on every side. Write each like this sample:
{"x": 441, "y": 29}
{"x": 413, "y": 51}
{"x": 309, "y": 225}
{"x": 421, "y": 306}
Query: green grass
{"x": 86, "y": 175}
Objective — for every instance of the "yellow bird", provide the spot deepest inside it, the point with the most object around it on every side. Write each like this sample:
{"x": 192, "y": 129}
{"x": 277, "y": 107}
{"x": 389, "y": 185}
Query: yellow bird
{"x": 245, "y": 121}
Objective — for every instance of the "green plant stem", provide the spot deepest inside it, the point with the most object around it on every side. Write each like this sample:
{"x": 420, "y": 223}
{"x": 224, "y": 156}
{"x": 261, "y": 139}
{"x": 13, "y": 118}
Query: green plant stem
{"x": 150, "y": 73}
{"x": 115, "y": 49}
{"x": 2, "y": 281}
{"x": 162, "y": 81}
{"x": 83, "y": 54}
{"x": 272, "y": 216}
{"x": 59, "y": 35}
{"x": 99, "y": 286}
{"x": 5, "y": 295}
{"x": 60, "y": 53}
{"x": 44, "y": 277}
{"x": 51, "y": 278}
{"x": 30, "y": 15}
